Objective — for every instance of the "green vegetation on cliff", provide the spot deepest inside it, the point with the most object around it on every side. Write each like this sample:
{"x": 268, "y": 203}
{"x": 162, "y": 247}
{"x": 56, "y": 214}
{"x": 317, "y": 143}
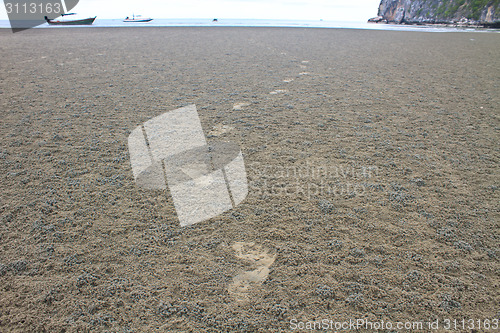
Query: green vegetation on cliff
{"x": 476, "y": 6}
{"x": 471, "y": 9}
{"x": 449, "y": 9}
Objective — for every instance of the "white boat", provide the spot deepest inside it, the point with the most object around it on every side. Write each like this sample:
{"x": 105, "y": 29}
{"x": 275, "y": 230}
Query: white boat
{"x": 137, "y": 19}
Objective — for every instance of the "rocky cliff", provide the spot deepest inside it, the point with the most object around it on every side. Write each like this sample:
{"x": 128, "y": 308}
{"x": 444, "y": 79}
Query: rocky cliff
{"x": 467, "y": 12}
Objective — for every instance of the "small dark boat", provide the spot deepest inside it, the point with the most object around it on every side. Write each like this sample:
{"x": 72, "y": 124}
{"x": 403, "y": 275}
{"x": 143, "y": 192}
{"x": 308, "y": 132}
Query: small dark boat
{"x": 63, "y": 21}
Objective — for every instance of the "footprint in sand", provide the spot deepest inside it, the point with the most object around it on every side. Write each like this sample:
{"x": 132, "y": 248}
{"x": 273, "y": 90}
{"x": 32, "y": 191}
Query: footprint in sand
{"x": 220, "y": 129}
{"x": 242, "y": 283}
{"x": 239, "y": 106}
{"x": 279, "y": 91}
{"x": 304, "y": 63}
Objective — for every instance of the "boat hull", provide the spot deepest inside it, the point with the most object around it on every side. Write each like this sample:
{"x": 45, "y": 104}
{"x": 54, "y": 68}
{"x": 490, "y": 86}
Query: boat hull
{"x": 87, "y": 21}
{"x": 138, "y": 21}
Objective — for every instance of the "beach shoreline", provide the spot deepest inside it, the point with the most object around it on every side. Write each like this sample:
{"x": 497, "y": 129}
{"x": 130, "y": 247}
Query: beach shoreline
{"x": 168, "y": 23}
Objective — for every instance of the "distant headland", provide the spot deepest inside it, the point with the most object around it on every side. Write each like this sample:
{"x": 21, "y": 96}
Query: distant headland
{"x": 478, "y": 13}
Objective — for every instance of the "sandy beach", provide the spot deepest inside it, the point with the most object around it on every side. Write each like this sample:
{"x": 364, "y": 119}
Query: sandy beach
{"x": 372, "y": 160}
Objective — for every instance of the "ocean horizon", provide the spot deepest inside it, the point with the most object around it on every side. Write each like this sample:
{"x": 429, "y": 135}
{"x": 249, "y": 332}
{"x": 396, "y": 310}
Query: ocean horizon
{"x": 187, "y": 22}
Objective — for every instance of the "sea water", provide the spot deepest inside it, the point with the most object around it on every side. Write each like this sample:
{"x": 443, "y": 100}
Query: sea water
{"x": 261, "y": 23}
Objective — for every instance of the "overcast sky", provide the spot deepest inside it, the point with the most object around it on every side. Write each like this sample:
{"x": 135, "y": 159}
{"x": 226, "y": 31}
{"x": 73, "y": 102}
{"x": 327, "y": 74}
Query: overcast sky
{"x": 335, "y": 10}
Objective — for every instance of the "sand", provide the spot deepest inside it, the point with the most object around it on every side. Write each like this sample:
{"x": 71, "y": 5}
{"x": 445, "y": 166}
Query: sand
{"x": 372, "y": 159}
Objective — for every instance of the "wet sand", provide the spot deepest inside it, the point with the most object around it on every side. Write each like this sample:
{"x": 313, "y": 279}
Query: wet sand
{"x": 372, "y": 160}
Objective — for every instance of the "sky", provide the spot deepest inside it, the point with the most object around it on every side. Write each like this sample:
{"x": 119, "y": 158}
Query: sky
{"x": 328, "y": 10}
